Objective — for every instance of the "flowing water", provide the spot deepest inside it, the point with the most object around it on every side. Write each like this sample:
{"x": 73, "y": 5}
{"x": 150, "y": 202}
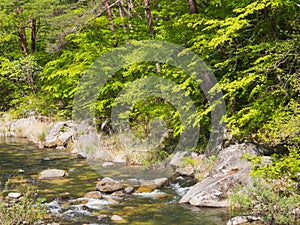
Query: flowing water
{"x": 22, "y": 163}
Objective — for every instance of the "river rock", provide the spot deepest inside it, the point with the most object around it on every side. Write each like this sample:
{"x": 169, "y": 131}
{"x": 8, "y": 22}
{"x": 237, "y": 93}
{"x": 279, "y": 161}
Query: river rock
{"x": 46, "y": 159}
{"x": 185, "y": 171}
{"x": 242, "y": 220}
{"x": 178, "y": 158}
{"x": 103, "y": 217}
{"x": 117, "y": 218}
{"x": 52, "y": 173}
{"x": 117, "y": 193}
{"x": 108, "y": 185}
{"x": 64, "y": 196}
{"x": 93, "y": 194}
{"x": 14, "y": 195}
{"x": 228, "y": 171}
{"x": 60, "y": 134}
{"x": 128, "y": 190}
{"x": 108, "y": 164}
{"x": 151, "y": 185}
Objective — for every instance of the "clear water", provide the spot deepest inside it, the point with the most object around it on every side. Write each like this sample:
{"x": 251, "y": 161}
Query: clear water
{"x": 153, "y": 209}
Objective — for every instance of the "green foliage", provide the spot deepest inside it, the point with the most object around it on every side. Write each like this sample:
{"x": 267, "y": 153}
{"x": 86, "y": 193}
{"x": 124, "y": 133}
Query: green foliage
{"x": 285, "y": 168}
{"x": 252, "y": 47}
{"x": 26, "y": 210}
{"x": 275, "y": 193}
{"x": 268, "y": 201}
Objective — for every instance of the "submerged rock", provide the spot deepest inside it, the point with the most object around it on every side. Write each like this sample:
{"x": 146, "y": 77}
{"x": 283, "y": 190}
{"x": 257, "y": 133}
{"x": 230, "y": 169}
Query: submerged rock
{"x": 117, "y": 218}
{"x": 52, "y": 173}
{"x": 151, "y": 185}
{"x": 93, "y": 194}
{"x": 103, "y": 217}
{"x": 108, "y": 185}
{"x": 108, "y": 164}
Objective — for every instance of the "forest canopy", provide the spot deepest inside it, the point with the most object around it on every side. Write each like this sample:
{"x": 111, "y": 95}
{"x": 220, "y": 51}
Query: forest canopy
{"x": 252, "y": 47}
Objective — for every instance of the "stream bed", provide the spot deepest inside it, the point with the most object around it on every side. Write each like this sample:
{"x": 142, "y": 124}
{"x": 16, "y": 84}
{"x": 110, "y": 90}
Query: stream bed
{"x": 22, "y": 162}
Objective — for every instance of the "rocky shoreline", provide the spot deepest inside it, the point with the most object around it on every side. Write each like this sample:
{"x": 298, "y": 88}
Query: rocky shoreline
{"x": 216, "y": 179}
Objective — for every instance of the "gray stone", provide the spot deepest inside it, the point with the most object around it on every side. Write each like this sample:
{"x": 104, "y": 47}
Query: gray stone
{"x": 81, "y": 155}
{"x": 52, "y": 173}
{"x": 228, "y": 171}
{"x": 60, "y": 134}
{"x": 151, "y": 185}
{"x": 185, "y": 171}
{"x": 157, "y": 183}
{"x": 242, "y": 219}
{"x": 177, "y": 158}
{"x": 117, "y": 218}
{"x": 108, "y": 164}
{"x": 14, "y": 195}
{"x": 129, "y": 190}
{"x": 46, "y": 159}
{"x": 75, "y": 151}
{"x": 108, "y": 185}
{"x": 103, "y": 217}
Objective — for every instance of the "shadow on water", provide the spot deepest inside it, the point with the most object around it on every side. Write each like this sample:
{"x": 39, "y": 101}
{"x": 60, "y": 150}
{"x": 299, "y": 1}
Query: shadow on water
{"x": 22, "y": 162}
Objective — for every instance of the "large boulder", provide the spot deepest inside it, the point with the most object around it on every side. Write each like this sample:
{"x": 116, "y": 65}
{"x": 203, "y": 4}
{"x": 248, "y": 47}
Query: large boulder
{"x": 60, "y": 134}
{"x": 229, "y": 170}
{"x": 177, "y": 159}
{"x": 186, "y": 171}
{"x": 52, "y": 173}
{"x": 151, "y": 185}
{"x": 108, "y": 185}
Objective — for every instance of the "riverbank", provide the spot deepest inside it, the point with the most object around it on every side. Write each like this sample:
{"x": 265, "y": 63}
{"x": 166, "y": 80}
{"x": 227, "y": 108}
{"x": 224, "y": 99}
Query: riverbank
{"x": 216, "y": 179}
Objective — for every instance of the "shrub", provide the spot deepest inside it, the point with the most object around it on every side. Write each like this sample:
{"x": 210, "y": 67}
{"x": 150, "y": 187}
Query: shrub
{"x": 27, "y": 210}
{"x": 274, "y": 195}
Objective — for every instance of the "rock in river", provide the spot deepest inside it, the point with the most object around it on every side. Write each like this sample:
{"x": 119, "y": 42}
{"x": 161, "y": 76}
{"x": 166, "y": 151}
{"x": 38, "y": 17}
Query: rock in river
{"x": 14, "y": 195}
{"x": 243, "y": 220}
{"x": 52, "y": 173}
{"x": 117, "y": 219}
{"x": 151, "y": 185}
{"x": 108, "y": 185}
{"x": 93, "y": 194}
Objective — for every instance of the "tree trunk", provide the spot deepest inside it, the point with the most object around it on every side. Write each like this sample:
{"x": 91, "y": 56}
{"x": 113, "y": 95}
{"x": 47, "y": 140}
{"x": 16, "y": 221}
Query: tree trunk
{"x": 120, "y": 7}
{"x": 22, "y": 33}
{"x": 192, "y": 6}
{"x": 109, "y": 15}
{"x": 32, "y": 23}
{"x": 149, "y": 17}
{"x": 22, "y": 39}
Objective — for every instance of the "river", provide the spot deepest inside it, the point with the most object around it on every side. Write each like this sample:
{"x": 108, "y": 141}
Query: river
{"x": 22, "y": 162}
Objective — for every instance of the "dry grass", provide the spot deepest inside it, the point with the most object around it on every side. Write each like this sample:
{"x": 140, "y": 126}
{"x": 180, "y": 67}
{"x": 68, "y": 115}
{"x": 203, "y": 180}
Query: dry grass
{"x": 30, "y": 128}
{"x": 122, "y": 149}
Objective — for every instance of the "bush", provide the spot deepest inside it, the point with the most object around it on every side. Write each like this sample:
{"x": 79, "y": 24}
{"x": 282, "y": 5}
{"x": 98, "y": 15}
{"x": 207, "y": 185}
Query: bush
{"x": 268, "y": 202}
{"x": 27, "y": 210}
{"x": 274, "y": 195}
